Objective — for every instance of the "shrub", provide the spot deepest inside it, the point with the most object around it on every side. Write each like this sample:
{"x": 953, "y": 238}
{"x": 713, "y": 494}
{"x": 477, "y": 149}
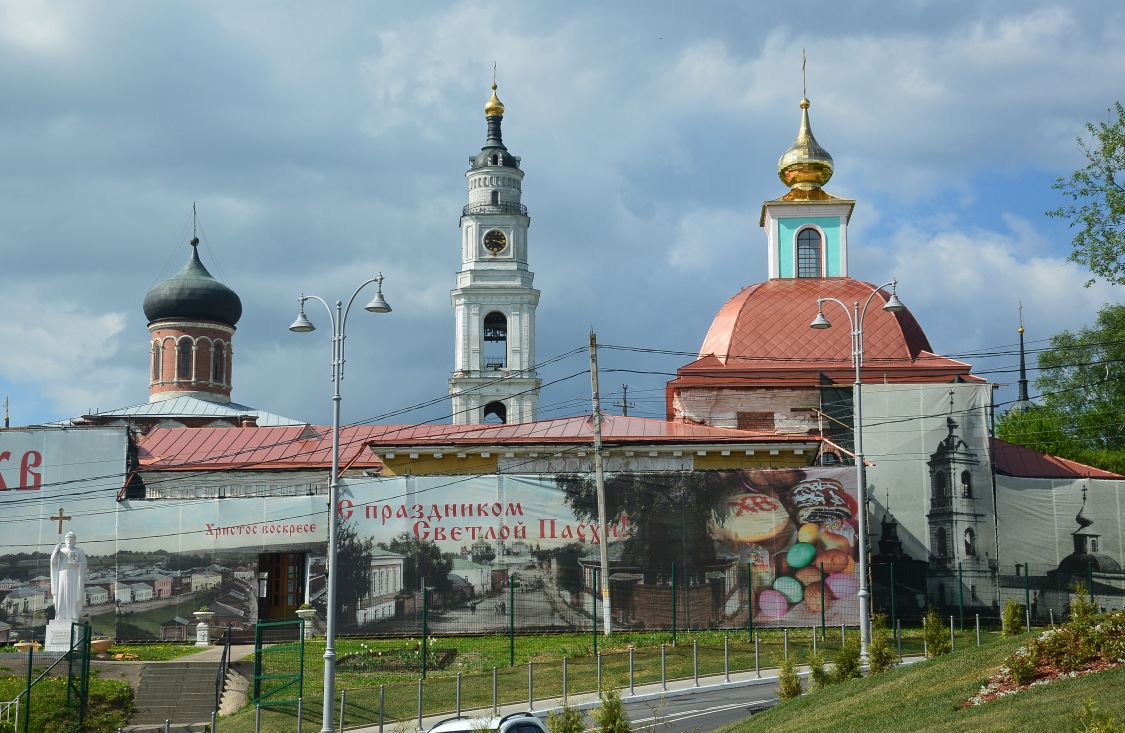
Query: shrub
{"x": 881, "y": 655}
{"x": 937, "y": 635}
{"x": 1012, "y": 618}
{"x": 819, "y": 677}
{"x": 788, "y": 683}
{"x": 1089, "y": 721}
{"x": 1082, "y": 608}
{"x": 610, "y": 716}
{"x": 1023, "y": 665}
{"x": 846, "y": 663}
{"x": 566, "y": 720}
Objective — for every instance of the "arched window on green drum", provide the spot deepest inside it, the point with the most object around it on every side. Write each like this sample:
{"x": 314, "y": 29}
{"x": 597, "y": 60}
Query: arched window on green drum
{"x": 809, "y": 248}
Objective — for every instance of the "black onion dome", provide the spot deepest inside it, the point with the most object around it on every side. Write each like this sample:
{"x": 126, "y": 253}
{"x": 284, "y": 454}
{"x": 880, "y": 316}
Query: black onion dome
{"x": 193, "y": 294}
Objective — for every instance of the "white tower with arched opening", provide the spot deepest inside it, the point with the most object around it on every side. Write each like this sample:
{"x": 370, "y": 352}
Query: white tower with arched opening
{"x": 494, "y": 377}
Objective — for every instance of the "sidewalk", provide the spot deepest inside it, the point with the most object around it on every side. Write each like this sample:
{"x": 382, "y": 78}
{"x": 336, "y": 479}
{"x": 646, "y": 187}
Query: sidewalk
{"x": 641, "y": 693}
{"x": 214, "y": 653}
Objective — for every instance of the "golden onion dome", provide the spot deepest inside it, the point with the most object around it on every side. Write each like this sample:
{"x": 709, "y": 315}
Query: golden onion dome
{"x": 805, "y": 165}
{"x": 494, "y": 107}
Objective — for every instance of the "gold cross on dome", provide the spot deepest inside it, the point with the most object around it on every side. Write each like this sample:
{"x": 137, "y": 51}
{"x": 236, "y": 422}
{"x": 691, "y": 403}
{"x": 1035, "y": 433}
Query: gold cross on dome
{"x": 60, "y": 519}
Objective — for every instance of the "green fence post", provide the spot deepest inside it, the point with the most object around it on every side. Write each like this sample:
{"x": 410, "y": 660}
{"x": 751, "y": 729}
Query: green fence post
{"x": 511, "y": 620}
{"x": 594, "y": 596}
{"x": 823, "y": 577}
{"x": 1090, "y": 580}
{"x": 894, "y": 609}
{"x": 1026, "y": 589}
{"x": 750, "y": 599}
{"x": 673, "y": 604}
{"x": 425, "y": 628}
{"x": 961, "y": 595}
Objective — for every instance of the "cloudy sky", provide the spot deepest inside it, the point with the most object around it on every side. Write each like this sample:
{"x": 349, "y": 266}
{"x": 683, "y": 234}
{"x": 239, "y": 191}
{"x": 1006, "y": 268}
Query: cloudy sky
{"x": 326, "y": 142}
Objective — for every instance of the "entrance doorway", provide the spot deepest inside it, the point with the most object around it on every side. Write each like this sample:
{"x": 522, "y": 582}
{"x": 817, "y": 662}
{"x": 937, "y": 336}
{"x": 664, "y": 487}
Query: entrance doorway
{"x": 281, "y": 585}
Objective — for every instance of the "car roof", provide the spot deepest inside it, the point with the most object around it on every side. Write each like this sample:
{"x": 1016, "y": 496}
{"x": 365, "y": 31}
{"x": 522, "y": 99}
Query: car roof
{"x": 492, "y": 723}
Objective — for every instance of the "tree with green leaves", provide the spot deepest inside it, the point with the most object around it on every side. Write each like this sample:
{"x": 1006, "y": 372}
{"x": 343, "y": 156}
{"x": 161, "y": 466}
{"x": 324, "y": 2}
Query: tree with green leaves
{"x": 1096, "y": 198}
{"x": 1082, "y": 383}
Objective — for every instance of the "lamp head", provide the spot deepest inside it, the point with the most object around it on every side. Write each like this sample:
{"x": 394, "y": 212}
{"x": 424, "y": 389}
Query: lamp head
{"x": 378, "y": 304}
{"x": 893, "y": 304}
{"x": 302, "y": 324}
{"x": 820, "y": 322}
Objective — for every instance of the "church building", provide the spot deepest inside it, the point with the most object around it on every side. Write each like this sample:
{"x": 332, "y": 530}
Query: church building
{"x": 761, "y": 366}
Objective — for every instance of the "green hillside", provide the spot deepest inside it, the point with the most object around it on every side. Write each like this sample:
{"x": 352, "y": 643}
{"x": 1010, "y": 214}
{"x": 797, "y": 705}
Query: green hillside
{"x": 925, "y": 697}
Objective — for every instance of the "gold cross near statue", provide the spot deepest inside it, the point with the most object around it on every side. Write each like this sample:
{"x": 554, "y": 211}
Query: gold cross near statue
{"x": 60, "y": 519}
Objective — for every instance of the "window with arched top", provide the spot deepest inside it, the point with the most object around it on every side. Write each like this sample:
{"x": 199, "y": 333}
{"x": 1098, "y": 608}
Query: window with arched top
{"x": 495, "y": 341}
{"x": 183, "y": 358}
{"x": 942, "y": 549}
{"x": 495, "y": 413}
{"x": 809, "y": 246}
{"x": 966, "y": 484}
{"x": 156, "y": 353}
{"x": 495, "y": 198}
{"x": 938, "y": 482}
{"x": 218, "y": 362}
{"x": 970, "y": 542}
{"x": 495, "y": 159}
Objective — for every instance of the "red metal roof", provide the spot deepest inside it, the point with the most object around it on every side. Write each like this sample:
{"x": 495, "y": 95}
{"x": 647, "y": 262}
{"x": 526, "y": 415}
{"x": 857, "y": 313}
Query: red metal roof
{"x": 765, "y": 328}
{"x": 1015, "y": 460}
{"x": 579, "y": 429}
{"x": 195, "y": 449}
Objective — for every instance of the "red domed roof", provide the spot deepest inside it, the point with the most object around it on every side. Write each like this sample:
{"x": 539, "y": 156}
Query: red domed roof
{"x": 763, "y": 332}
{"x": 770, "y": 321}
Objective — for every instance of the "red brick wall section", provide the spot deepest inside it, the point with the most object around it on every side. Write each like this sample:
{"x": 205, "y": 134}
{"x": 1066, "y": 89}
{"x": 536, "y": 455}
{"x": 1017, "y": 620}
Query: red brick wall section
{"x": 652, "y": 606}
{"x": 168, "y": 335}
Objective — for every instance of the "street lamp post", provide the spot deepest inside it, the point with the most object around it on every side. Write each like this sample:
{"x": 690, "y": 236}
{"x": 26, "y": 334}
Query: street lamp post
{"x": 339, "y": 319}
{"x": 855, "y": 319}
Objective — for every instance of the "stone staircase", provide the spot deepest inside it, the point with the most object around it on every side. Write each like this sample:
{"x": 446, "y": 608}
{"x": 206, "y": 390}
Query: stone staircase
{"x": 182, "y": 692}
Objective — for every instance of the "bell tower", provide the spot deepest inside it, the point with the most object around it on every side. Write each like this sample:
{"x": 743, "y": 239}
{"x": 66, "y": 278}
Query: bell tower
{"x": 494, "y": 377}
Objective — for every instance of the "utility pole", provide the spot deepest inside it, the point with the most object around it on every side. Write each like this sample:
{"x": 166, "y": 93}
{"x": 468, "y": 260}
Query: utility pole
{"x": 624, "y": 403}
{"x": 599, "y": 479}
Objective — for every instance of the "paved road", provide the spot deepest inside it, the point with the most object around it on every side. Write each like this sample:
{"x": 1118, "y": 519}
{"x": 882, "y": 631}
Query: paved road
{"x": 702, "y": 711}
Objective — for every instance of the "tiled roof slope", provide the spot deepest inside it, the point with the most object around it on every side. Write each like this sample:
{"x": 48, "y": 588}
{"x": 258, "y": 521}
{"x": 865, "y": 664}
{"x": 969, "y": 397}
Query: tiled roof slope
{"x": 763, "y": 331}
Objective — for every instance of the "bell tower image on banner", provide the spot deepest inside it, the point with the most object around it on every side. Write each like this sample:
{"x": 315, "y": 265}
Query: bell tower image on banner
{"x": 494, "y": 377}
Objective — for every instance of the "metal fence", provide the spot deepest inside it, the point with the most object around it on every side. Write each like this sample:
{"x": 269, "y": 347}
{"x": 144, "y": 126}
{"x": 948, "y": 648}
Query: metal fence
{"x": 536, "y": 680}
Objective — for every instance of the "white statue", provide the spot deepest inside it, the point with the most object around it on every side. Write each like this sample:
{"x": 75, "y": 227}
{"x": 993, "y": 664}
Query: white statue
{"x": 68, "y": 578}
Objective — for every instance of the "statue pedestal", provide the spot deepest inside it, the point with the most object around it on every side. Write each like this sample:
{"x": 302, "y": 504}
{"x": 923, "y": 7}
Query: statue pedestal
{"x": 58, "y": 636}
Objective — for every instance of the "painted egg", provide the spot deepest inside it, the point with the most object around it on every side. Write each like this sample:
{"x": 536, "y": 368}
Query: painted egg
{"x": 808, "y": 575}
{"x": 773, "y": 604}
{"x": 842, "y": 585}
{"x": 808, "y": 532}
{"x": 791, "y": 588}
{"x": 800, "y": 555}
{"x": 813, "y": 597}
{"x": 834, "y": 561}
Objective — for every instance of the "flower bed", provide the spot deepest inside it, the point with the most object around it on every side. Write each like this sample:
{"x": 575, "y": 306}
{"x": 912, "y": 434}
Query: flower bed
{"x": 394, "y": 660}
{"x": 1086, "y": 644}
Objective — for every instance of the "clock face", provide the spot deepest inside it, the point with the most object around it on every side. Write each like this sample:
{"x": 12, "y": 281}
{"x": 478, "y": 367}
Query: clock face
{"x": 495, "y": 241}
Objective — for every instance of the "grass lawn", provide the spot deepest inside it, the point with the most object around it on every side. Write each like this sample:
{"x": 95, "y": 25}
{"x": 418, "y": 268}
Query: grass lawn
{"x": 925, "y": 696}
{"x": 153, "y": 652}
{"x": 110, "y": 703}
{"x": 476, "y": 656}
